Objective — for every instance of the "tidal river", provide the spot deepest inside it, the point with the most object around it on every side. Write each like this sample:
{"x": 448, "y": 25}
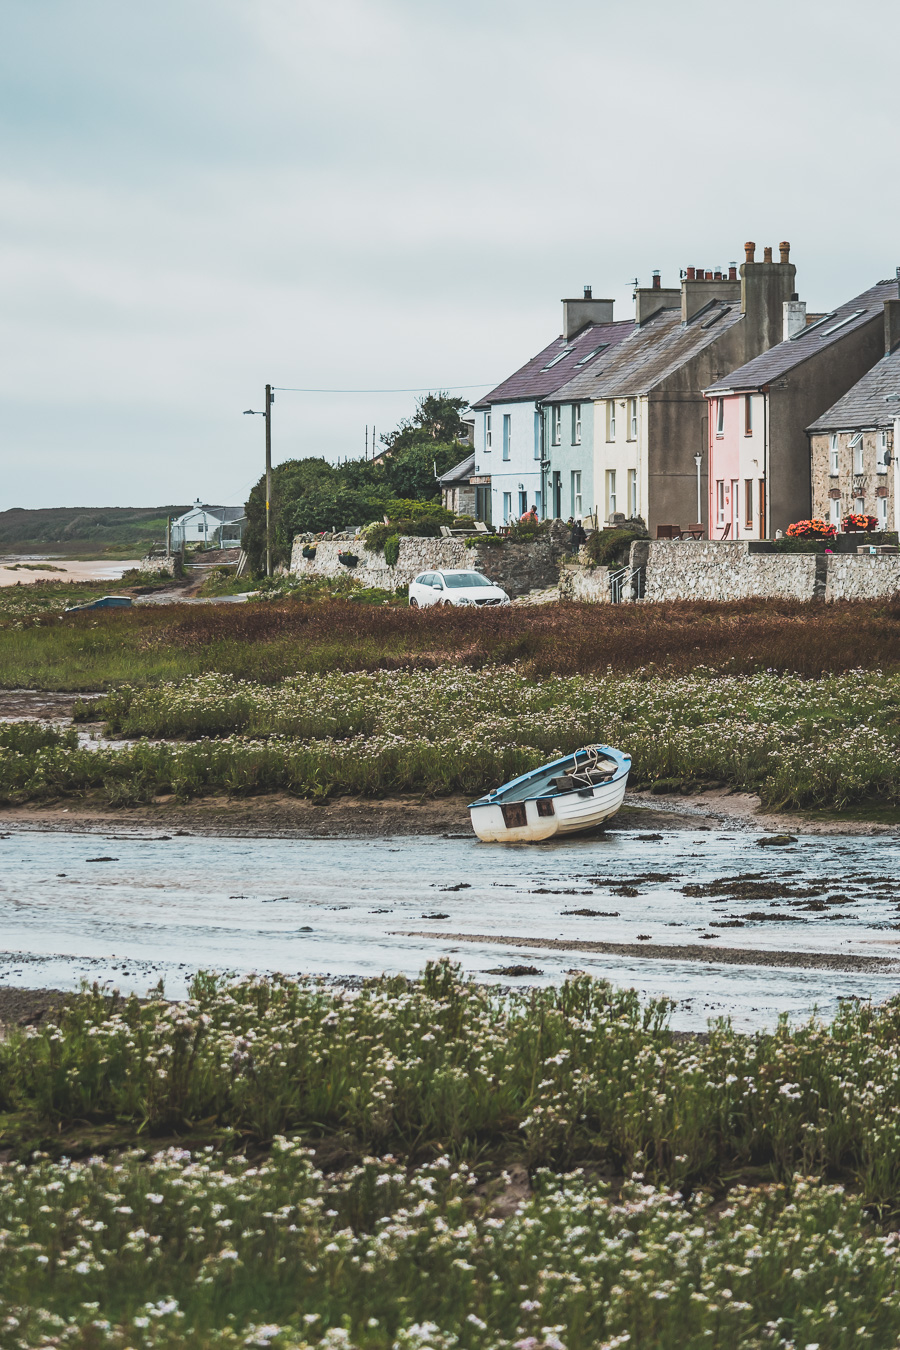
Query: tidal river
{"x": 712, "y": 919}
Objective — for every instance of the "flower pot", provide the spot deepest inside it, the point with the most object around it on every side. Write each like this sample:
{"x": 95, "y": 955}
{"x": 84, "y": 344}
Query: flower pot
{"x": 348, "y": 559}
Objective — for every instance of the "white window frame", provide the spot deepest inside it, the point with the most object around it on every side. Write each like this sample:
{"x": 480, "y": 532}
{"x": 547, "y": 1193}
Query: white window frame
{"x": 556, "y": 424}
{"x": 611, "y": 507}
{"x": 610, "y": 419}
{"x": 859, "y": 448}
{"x": 507, "y": 507}
{"x": 880, "y": 457}
{"x": 576, "y": 493}
{"x": 632, "y": 419}
{"x": 507, "y": 435}
{"x": 632, "y": 492}
{"x": 834, "y": 455}
{"x": 748, "y": 414}
{"x": 720, "y": 501}
{"x": 882, "y": 511}
{"x": 487, "y": 431}
{"x": 834, "y": 512}
{"x": 576, "y": 423}
{"x": 720, "y": 417}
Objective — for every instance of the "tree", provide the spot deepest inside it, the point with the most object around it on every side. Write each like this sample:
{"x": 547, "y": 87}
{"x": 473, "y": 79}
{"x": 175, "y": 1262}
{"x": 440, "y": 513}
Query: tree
{"x": 290, "y": 482}
{"x": 437, "y": 418}
{"x": 411, "y": 472}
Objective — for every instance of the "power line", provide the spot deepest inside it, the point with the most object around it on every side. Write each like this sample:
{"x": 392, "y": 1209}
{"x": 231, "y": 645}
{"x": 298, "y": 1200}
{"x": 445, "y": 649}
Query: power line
{"x": 423, "y": 389}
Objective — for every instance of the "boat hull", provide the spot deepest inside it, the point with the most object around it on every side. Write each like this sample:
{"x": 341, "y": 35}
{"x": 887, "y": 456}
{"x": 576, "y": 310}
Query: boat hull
{"x": 572, "y": 813}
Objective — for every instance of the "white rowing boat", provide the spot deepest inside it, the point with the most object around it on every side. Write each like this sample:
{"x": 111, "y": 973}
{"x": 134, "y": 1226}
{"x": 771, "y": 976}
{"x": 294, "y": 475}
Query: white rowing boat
{"x": 571, "y": 794}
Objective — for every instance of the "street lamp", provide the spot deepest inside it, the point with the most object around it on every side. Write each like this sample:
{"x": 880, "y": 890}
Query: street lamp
{"x": 698, "y": 460}
{"x": 253, "y": 412}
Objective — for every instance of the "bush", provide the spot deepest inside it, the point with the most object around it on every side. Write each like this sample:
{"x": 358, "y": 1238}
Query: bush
{"x": 609, "y": 548}
{"x": 488, "y": 540}
{"x": 392, "y": 550}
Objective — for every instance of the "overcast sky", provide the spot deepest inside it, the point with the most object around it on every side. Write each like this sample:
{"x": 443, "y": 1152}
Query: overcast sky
{"x": 199, "y": 196}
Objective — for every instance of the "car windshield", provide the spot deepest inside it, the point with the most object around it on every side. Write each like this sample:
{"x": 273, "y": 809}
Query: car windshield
{"x": 456, "y": 579}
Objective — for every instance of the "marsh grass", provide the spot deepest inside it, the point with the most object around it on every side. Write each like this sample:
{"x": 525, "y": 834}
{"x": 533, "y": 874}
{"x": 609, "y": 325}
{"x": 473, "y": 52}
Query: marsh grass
{"x": 270, "y": 640}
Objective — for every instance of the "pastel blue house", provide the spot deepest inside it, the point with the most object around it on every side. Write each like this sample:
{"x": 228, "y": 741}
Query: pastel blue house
{"x": 513, "y": 431}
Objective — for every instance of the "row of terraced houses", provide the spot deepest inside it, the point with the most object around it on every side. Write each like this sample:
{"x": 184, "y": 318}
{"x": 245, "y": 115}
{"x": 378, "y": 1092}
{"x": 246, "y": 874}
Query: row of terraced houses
{"x": 723, "y": 404}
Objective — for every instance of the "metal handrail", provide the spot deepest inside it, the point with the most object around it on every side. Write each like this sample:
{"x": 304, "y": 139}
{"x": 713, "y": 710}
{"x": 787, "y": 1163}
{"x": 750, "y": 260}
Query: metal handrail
{"x": 619, "y": 579}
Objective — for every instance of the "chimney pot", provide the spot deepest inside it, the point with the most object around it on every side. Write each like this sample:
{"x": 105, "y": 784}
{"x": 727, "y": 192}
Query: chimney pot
{"x": 718, "y": 274}
{"x": 708, "y": 276}
{"x": 656, "y": 279}
{"x": 784, "y": 249}
{"x": 732, "y": 271}
{"x": 587, "y": 293}
{"x": 691, "y": 273}
{"x": 750, "y": 251}
{"x": 767, "y": 254}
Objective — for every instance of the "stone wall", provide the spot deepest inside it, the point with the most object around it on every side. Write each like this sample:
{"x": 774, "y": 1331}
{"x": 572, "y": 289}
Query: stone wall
{"x": 722, "y": 570}
{"x": 584, "y": 584}
{"x": 862, "y": 577}
{"x": 518, "y": 568}
{"x": 687, "y": 569}
{"x": 155, "y": 563}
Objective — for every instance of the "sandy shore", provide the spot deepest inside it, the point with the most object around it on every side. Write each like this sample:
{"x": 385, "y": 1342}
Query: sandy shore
{"x": 25, "y": 570}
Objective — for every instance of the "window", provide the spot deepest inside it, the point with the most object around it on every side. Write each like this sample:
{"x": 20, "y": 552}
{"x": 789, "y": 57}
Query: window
{"x": 848, "y": 318}
{"x": 576, "y": 423}
{"x": 539, "y": 505}
{"x": 611, "y": 419}
{"x": 487, "y": 431}
{"x": 556, "y": 422}
{"x": 507, "y": 507}
{"x": 748, "y": 503}
{"x": 610, "y": 493}
{"x": 720, "y": 501}
{"x": 834, "y": 454}
{"x": 632, "y": 493}
{"x": 882, "y": 512}
{"x": 720, "y": 416}
{"x": 834, "y": 512}
{"x": 556, "y": 359}
{"x": 507, "y": 431}
{"x": 591, "y": 354}
{"x": 576, "y": 492}
{"x": 881, "y": 463}
{"x": 537, "y": 435}
{"x": 632, "y": 419}
{"x": 748, "y": 414}
{"x": 523, "y": 502}
{"x": 762, "y": 508}
{"x": 858, "y": 446}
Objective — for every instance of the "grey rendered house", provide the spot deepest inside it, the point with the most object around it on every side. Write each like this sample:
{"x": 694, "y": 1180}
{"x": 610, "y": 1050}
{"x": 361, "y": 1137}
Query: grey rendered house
{"x": 509, "y": 433}
{"x": 649, "y": 411}
{"x": 853, "y": 446}
{"x": 760, "y": 413}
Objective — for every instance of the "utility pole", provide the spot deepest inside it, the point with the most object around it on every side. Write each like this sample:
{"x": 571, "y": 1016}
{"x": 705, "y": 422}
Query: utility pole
{"x": 269, "y": 401}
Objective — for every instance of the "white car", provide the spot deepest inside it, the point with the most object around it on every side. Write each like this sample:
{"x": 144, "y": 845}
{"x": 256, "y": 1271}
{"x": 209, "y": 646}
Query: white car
{"x": 453, "y": 586}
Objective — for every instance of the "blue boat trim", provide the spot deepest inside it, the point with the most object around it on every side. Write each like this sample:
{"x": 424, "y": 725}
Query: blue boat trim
{"x": 493, "y": 798}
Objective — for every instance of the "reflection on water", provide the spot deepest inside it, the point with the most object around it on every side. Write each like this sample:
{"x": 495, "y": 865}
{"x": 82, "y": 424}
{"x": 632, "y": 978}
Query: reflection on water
{"x": 133, "y": 910}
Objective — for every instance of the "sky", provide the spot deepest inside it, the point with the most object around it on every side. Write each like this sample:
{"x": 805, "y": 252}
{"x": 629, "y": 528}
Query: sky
{"x": 198, "y": 197}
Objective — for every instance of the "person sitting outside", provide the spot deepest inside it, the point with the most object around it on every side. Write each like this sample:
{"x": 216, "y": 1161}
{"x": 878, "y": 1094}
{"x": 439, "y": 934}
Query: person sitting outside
{"x": 530, "y": 517}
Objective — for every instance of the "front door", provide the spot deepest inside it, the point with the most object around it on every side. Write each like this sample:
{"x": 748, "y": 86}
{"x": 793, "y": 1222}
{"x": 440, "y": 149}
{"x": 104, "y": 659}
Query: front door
{"x": 557, "y": 495}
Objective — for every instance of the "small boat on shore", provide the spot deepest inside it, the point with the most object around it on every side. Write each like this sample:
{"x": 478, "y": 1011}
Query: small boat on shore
{"x": 576, "y": 793}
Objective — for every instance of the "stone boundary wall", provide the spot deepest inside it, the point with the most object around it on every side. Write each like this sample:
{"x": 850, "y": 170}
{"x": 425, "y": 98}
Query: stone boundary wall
{"x": 689, "y": 569}
{"x": 518, "y": 568}
{"x": 589, "y": 585}
{"x": 154, "y": 563}
{"x": 862, "y": 577}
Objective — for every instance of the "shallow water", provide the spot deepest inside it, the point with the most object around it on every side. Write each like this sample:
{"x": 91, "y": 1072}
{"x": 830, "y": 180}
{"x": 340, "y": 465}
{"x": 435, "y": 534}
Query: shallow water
{"x": 164, "y": 907}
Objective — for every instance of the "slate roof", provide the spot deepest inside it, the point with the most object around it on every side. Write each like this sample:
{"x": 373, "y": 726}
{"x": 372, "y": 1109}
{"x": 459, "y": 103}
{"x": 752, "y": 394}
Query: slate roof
{"x": 866, "y": 404}
{"x": 651, "y": 353}
{"x": 461, "y": 472}
{"x": 534, "y": 381}
{"x": 785, "y": 356}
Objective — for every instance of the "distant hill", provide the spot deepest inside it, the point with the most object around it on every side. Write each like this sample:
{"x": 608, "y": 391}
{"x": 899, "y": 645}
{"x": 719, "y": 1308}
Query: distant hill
{"x": 83, "y": 529}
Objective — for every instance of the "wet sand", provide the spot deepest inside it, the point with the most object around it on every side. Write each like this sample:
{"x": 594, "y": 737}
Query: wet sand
{"x": 25, "y": 570}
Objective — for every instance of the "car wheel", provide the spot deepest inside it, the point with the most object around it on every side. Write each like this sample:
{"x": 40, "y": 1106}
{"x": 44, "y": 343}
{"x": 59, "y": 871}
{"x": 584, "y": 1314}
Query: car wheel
{"x": 413, "y": 602}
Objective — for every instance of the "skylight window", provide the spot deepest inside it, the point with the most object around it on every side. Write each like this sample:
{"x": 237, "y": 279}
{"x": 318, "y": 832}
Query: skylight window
{"x": 556, "y": 359}
{"x": 812, "y": 327}
{"x": 590, "y": 355}
{"x": 716, "y": 317}
{"x": 848, "y": 318}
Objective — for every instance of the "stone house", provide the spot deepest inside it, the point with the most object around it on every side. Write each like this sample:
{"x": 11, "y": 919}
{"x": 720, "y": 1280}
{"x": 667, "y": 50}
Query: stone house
{"x": 649, "y": 412}
{"x": 852, "y": 445}
{"x": 509, "y": 430}
{"x": 458, "y": 492}
{"x": 758, "y": 451}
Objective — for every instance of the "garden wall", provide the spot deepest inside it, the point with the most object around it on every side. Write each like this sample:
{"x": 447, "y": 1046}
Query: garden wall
{"x": 162, "y": 562}
{"x": 518, "y": 568}
{"x": 689, "y": 569}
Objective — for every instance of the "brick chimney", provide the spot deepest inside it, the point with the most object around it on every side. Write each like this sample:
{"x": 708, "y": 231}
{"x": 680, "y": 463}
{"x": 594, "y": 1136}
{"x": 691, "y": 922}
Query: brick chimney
{"x": 577, "y": 314}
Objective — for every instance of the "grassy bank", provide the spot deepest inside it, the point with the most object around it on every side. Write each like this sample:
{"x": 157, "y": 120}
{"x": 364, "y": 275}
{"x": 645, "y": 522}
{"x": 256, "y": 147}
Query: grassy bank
{"x": 831, "y": 743}
{"x": 448, "y": 1084}
{"x": 270, "y": 640}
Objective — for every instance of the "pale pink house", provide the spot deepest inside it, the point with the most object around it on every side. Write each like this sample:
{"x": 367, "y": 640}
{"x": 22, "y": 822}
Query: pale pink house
{"x": 738, "y": 471}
